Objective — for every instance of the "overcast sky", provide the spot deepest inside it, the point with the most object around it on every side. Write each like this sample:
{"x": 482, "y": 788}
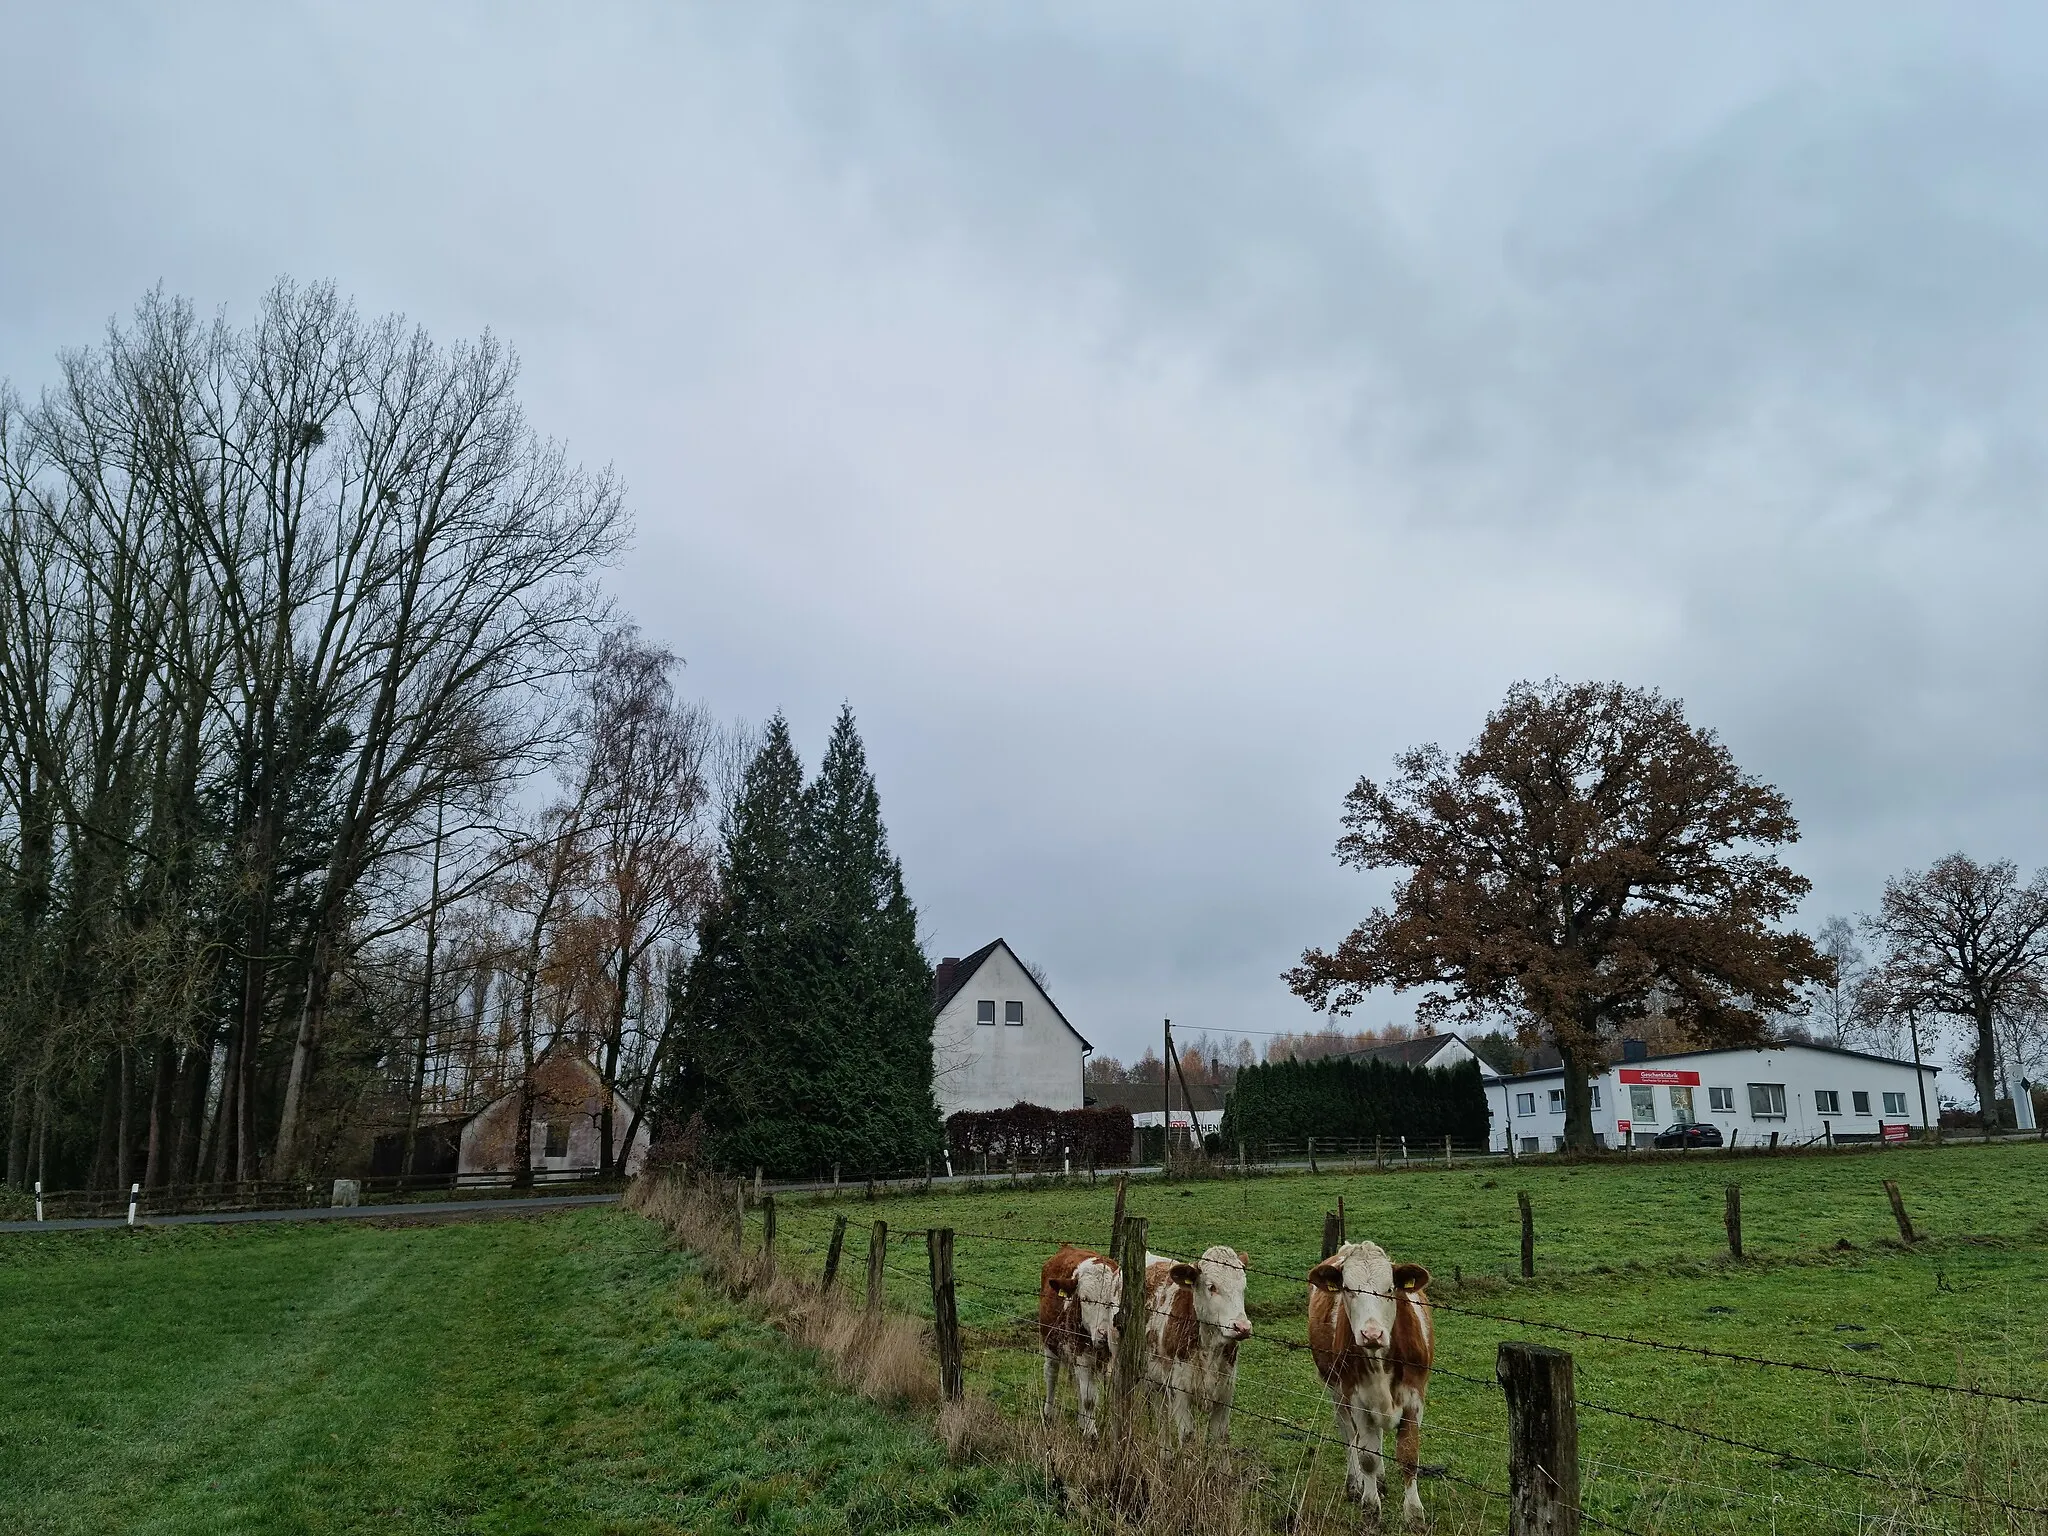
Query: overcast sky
{"x": 1150, "y": 418}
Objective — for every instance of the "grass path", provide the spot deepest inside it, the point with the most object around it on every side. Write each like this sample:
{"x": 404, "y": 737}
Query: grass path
{"x": 561, "y": 1374}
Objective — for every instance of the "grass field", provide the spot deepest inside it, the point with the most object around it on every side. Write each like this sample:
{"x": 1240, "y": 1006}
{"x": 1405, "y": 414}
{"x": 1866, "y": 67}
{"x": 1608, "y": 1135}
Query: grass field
{"x": 559, "y": 1374}
{"x": 1635, "y": 1249}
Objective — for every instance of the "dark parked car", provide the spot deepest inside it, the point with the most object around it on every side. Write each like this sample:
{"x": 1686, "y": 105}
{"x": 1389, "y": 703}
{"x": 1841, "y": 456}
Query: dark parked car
{"x": 1689, "y": 1136}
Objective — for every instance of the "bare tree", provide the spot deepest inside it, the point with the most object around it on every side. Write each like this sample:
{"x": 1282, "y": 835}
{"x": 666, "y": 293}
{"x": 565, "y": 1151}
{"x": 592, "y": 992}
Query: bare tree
{"x": 1968, "y": 941}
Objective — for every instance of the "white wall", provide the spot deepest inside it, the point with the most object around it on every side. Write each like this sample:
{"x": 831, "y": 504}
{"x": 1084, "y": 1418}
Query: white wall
{"x": 978, "y": 1066}
{"x": 1803, "y": 1073}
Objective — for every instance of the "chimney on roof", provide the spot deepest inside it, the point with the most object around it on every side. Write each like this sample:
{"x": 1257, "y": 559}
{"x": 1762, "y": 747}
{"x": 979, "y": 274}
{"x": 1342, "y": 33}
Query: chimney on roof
{"x": 1635, "y": 1050}
{"x": 943, "y": 977}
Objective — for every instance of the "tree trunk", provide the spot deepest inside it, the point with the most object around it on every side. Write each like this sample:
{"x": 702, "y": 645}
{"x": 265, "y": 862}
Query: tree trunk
{"x": 124, "y": 1137}
{"x": 1578, "y": 1100}
{"x": 20, "y": 1113}
{"x": 225, "y": 1113}
{"x": 615, "y": 1036}
{"x": 1984, "y": 1069}
{"x": 160, "y": 1101}
{"x": 110, "y": 1119}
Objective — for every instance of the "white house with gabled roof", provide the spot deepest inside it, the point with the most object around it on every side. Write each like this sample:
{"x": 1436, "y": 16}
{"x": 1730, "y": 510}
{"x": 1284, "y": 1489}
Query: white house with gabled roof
{"x": 998, "y": 1039}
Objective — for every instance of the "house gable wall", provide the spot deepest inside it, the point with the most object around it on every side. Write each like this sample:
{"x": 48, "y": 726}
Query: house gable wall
{"x": 993, "y": 1066}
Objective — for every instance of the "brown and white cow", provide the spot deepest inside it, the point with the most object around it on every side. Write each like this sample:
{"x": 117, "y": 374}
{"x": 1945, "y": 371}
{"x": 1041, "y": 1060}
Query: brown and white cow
{"x": 1194, "y": 1321}
{"x": 1079, "y": 1294}
{"x": 1369, "y": 1328}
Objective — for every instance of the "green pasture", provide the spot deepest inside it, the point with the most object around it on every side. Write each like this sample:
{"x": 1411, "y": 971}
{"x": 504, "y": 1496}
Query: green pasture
{"x": 1634, "y": 1248}
{"x": 557, "y": 1374}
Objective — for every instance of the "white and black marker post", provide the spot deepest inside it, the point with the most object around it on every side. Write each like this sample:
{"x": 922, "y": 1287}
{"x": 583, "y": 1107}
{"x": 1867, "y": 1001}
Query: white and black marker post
{"x": 39, "y": 1199}
{"x": 134, "y": 1198}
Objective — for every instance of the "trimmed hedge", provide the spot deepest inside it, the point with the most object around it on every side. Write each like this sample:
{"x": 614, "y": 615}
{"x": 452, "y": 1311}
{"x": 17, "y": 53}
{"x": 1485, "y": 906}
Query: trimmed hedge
{"x": 1032, "y": 1133}
{"x": 1342, "y": 1098}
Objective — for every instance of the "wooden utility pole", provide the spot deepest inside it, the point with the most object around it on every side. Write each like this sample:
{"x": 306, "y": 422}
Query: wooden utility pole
{"x": 1116, "y": 1222}
{"x": 1543, "y": 1440}
{"x": 1528, "y": 1236}
{"x": 833, "y": 1251}
{"x": 1128, "y": 1368}
{"x": 1166, "y": 1106}
{"x": 945, "y": 1313}
{"x": 1929, "y": 1131}
{"x": 878, "y": 1250}
{"x": 1891, "y": 1189}
{"x": 1733, "y": 1220}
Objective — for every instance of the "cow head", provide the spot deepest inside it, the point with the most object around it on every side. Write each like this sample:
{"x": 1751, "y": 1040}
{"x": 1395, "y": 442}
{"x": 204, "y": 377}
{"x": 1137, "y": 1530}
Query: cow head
{"x": 1368, "y": 1286}
{"x": 1098, "y": 1288}
{"x": 1217, "y": 1281}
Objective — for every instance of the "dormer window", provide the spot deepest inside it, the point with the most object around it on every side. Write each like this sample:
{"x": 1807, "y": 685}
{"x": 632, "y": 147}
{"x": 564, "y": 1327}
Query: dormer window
{"x": 1013, "y": 1013}
{"x": 985, "y": 1011}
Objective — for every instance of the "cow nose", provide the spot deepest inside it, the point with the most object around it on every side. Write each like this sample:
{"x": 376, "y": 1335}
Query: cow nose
{"x": 1242, "y": 1330}
{"x": 1373, "y": 1336}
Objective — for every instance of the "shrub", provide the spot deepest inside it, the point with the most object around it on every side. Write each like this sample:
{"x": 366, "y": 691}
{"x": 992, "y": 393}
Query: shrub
{"x": 1342, "y": 1098}
{"x": 1033, "y": 1133}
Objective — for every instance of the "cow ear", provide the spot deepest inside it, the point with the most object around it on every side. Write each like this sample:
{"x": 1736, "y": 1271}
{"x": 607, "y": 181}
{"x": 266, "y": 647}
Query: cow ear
{"x": 1244, "y": 1260}
{"x": 1185, "y": 1274}
{"x": 1410, "y": 1277}
{"x": 1327, "y": 1276}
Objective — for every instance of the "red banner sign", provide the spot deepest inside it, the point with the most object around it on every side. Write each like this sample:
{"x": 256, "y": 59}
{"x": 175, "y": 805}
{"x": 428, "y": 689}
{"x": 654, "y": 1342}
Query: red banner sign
{"x": 1898, "y": 1132}
{"x": 1622, "y": 1126}
{"x": 1660, "y": 1075}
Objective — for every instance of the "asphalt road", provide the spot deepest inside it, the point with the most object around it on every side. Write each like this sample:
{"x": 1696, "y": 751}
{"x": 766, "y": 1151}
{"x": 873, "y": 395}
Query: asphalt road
{"x": 422, "y": 1211}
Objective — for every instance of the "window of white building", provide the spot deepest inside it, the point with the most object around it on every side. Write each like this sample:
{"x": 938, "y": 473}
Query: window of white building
{"x": 1826, "y": 1102}
{"x": 1013, "y": 1013}
{"x": 1721, "y": 1098}
{"x": 1895, "y": 1103}
{"x": 985, "y": 1011}
{"x": 1860, "y": 1102}
{"x": 1767, "y": 1101}
{"x": 1557, "y": 1101}
{"x": 1525, "y": 1104}
{"x": 1596, "y": 1095}
{"x": 1531, "y": 1144}
{"x": 1642, "y": 1104}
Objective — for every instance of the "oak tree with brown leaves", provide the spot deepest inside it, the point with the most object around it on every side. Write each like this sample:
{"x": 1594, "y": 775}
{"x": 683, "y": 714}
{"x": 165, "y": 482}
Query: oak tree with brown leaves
{"x": 1592, "y": 857}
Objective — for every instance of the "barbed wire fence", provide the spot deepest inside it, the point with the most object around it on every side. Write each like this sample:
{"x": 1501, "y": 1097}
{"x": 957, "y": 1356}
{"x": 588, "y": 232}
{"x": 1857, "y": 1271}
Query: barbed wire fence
{"x": 1535, "y": 1445}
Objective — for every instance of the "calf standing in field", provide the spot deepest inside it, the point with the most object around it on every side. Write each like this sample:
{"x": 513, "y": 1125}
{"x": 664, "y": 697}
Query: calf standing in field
{"x": 1078, "y": 1296}
{"x": 1194, "y": 1321}
{"x": 1369, "y": 1328}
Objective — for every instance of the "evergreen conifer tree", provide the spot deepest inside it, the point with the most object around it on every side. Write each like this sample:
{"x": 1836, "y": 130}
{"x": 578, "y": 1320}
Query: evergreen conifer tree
{"x": 807, "y": 1009}
{"x": 742, "y": 1062}
{"x": 873, "y": 985}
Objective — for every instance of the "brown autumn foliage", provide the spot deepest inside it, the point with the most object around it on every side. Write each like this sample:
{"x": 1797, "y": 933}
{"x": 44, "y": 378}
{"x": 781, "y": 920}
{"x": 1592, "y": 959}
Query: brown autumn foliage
{"x": 1591, "y": 858}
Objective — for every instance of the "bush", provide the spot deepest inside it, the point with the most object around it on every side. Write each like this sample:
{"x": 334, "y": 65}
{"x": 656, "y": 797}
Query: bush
{"x": 1033, "y": 1133}
{"x": 1341, "y": 1098}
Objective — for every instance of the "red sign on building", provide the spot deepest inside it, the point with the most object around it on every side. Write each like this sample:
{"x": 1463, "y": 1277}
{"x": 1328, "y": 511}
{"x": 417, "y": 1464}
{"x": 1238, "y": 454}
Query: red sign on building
{"x": 1898, "y": 1132}
{"x": 1660, "y": 1075}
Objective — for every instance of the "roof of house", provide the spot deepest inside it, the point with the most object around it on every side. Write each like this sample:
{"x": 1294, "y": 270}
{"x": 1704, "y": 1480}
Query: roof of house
{"x": 1731, "y": 1050}
{"x": 952, "y": 976}
{"x": 1418, "y": 1052}
{"x": 1143, "y": 1098}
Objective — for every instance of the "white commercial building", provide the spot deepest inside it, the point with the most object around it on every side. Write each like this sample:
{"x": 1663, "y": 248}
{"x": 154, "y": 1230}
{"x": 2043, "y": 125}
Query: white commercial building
{"x": 1799, "y": 1092}
{"x": 998, "y": 1040}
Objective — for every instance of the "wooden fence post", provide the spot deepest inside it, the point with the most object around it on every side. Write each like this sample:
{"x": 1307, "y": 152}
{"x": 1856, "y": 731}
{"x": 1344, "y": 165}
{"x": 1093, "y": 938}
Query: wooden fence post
{"x": 1240, "y": 1150}
{"x": 1528, "y": 1236}
{"x": 768, "y": 1234}
{"x": 1891, "y": 1189}
{"x": 1734, "y": 1220}
{"x": 1448, "y": 1163}
{"x": 739, "y": 1215}
{"x": 945, "y": 1313}
{"x": 1379, "y": 1154}
{"x": 878, "y": 1250}
{"x": 1116, "y": 1222}
{"x": 1543, "y": 1440}
{"x": 1343, "y": 1232}
{"x": 1333, "y": 1233}
{"x": 1129, "y": 1366}
{"x": 1312, "y": 1156}
{"x": 757, "y": 1181}
{"x": 832, "y": 1252}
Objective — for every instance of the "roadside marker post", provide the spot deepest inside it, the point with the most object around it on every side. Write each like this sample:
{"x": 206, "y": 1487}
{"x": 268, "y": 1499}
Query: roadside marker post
{"x": 134, "y": 1198}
